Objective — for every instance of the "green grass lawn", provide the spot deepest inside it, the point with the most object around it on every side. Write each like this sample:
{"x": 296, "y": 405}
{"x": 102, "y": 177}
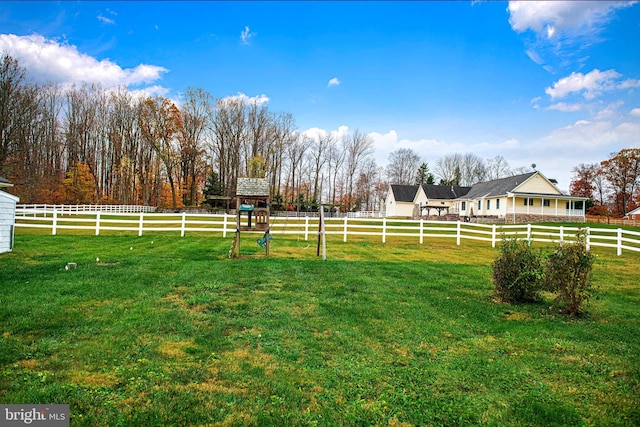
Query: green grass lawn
{"x": 162, "y": 330}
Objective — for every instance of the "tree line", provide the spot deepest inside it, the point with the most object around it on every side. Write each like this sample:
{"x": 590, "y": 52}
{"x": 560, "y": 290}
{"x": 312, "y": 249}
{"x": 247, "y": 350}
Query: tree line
{"x": 85, "y": 144}
{"x": 612, "y": 186}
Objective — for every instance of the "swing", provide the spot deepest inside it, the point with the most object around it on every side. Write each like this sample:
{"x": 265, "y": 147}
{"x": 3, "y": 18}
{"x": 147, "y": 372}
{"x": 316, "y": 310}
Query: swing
{"x": 263, "y": 242}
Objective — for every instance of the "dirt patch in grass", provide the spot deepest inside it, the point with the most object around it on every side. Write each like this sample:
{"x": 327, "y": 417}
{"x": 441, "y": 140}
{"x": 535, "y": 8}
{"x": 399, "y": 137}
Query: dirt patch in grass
{"x": 28, "y": 364}
{"x": 175, "y": 349}
{"x": 92, "y": 379}
{"x": 235, "y": 359}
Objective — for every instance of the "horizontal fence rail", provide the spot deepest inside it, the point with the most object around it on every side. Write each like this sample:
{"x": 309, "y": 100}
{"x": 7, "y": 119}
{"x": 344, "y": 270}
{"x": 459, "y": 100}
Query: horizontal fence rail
{"x": 96, "y": 222}
{"x": 32, "y": 209}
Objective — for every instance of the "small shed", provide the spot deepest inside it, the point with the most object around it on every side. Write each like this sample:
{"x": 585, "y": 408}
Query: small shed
{"x": 7, "y": 217}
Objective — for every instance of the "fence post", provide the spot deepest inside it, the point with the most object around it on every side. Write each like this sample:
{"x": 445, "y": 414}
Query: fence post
{"x": 458, "y": 234}
{"x": 619, "y": 241}
{"x": 561, "y": 234}
{"x": 529, "y": 234}
{"x": 224, "y": 225}
{"x": 97, "y": 223}
{"x": 345, "y": 230}
{"x": 184, "y": 215}
{"x": 140, "y": 225}
{"x": 421, "y": 231}
{"x": 384, "y": 230}
{"x": 306, "y": 228}
{"x": 493, "y": 236}
{"x": 55, "y": 222}
{"x": 588, "y": 239}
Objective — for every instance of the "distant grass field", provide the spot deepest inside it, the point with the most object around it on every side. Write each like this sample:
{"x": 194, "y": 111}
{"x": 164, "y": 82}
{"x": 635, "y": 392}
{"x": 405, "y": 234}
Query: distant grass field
{"x": 162, "y": 330}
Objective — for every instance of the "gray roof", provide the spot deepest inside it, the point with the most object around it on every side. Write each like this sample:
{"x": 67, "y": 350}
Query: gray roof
{"x": 497, "y": 187}
{"x": 444, "y": 192}
{"x": 4, "y": 182}
{"x": 252, "y": 187}
{"x": 404, "y": 193}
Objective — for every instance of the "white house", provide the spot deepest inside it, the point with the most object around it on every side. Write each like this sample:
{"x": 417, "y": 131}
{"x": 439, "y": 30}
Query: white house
{"x": 7, "y": 217}
{"x": 402, "y": 199}
{"x": 426, "y": 199}
{"x": 528, "y": 197}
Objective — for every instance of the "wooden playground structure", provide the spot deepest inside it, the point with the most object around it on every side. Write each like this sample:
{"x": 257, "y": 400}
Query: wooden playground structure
{"x": 252, "y": 199}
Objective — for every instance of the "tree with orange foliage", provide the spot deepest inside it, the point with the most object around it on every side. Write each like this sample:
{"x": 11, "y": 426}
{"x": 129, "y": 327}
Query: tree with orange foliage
{"x": 79, "y": 185}
{"x": 161, "y": 123}
{"x": 622, "y": 171}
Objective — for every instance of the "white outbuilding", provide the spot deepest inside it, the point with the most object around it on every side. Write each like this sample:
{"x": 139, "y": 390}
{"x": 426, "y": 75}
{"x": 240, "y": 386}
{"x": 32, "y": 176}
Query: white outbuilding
{"x": 7, "y": 217}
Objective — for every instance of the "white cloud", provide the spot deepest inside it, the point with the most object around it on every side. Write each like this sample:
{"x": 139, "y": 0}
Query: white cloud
{"x": 432, "y": 149}
{"x": 105, "y": 20}
{"x": 150, "y": 91}
{"x": 610, "y": 111}
{"x": 50, "y": 61}
{"x": 534, "y": 56}
{"x": 584, "y": 135}
{"x": 333, "y": 82}
{"x": 246, "y": 35}
{"x": 548, "y": 18}
{"x": 557, "y": 33}
{"x": 592, "y": 84}
{"x": 317, "y": 133}
{"x": 564, "y": 107}
{"x": 248, "y": 100}
{"x": 635, "y": 112}
{"x": 629, "y": 84}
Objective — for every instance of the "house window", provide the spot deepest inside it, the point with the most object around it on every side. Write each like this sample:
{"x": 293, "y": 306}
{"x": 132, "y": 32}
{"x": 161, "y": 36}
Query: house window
{"x": 546, "y": 203}
{"x": 479, "y": 205}
{"x": 498, "y": 204}
{"x": 528, "y": 202}
{"x": 464, "y": 206}
{"x": 488, "y": 204}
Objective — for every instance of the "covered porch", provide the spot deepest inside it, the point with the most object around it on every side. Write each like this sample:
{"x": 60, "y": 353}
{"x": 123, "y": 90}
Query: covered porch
{"x": 545, "y": 205}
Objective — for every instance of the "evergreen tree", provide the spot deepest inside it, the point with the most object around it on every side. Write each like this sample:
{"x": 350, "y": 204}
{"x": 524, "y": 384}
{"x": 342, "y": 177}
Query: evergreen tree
{"x": 424, "y": 176}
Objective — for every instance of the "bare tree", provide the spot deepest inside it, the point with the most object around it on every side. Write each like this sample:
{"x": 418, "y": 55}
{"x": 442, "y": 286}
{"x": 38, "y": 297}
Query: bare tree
{"x": 403, "y": 165}
{"x": 11, "y": 79}
{"x": 295, "y": 155}
{"x": 335, "y": 160}
{"x": 447, "y": 169}
{"x": 460, "y": 169}
{"x": 195, "y": 113}
{"x": 229, "y": 126}
{"x": 497, "y": 168}
{"x": 358, "y": 147}
{"x": 319, "y": 157}
{"x": 473, "y": 169}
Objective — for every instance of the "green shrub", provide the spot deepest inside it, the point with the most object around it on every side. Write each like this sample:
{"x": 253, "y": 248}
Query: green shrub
{"x": 518, "y": 272}
{"x": 569, "y": 274}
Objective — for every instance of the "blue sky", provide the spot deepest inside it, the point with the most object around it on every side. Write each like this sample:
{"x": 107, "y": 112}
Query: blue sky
{"x": 551, "y": 83}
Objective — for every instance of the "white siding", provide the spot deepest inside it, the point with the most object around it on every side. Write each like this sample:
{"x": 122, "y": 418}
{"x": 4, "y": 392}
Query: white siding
{"x": 7, "y": 218}
{"x": 390, "y": 204}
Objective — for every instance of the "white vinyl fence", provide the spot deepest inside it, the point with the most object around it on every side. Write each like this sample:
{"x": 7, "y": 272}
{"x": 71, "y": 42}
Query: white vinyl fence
{"x": 23, "y": 209}
{"x": 97, "y": 222}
